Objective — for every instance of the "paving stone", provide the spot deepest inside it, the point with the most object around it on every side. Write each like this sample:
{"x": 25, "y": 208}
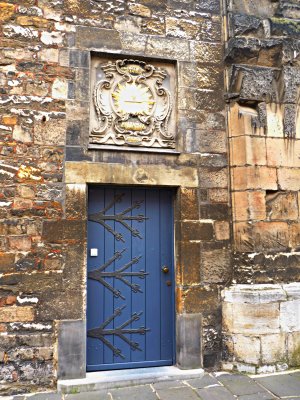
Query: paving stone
{"x": 185, "y": 393}
{"x": 200, "y": 383}
{"x": 215, "y": 393}
{"x": 143, "y": 392}
{"x": 97, "y": 395}
{"x": 258, "y": 396}
{"x": 281, "y": 385}
{"x": 240, "y": 384}
{"x": 168, "y": 385}
{"x": 45, "y": 396}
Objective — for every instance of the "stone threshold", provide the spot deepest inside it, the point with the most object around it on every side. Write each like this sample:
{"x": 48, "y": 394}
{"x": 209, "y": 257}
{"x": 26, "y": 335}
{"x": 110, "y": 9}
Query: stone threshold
{"x": 103, "y": 380}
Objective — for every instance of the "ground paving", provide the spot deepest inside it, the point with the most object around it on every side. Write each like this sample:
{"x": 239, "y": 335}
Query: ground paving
{"x": 213, "y": 386}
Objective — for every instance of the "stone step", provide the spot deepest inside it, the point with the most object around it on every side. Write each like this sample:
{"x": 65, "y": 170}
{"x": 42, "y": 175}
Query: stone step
{"x": 127, "y": 377}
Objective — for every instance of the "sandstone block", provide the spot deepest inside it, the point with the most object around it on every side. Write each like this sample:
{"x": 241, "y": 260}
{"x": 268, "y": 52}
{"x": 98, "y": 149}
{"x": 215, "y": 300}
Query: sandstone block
{"x": 17, "y": 314}
{"x": 20, "y": 204}
{"x": 222, "y": 230}
{"x": 273, "y": 348}
{"x": 189, "y": 268}
{"x": 295, "y": 235}
{"x": 253, "y": 177}
{"x": 254, "y": 294}
{"x": 28, "y": 20}
{"x": 215, "y": 266}
{"x": 22, "y": 243}
{"x": 249, "y": 205}
{"x": 171, "y": 48}
{"x": 139, "y": 9}
{"x": 49, "y": 55}
{"x": 6, "y": 11}
{"x": 189, "y": 203}
{"x": 51, "y": 132}
{"x": 271, "y": 236}
{"x": 181, "y": 28}
{"x": 218, "y": 195}
{"x": 294, "y": 349}
{"x": 246, "y": 349}
{"x": 248, "y": 150}
{"x": 210, "y": 53}
{"x": 213, "y": 177}
{"x": 197, "y": 75}
{"x": 289, "y": 178}
{"x": 21, "y": 135}
{"x": 60, "y": 89}
{"x": 196, "y": 230}
{"x": 282, "y": 152}
{"x": 75, "y": 201}
{"x": 292, "y": 290}
{"x": 290, "y": 316}
{"x": 241, "y": 121}
{"x": 52, "y": 38}
{"x": 251, "y": 319}
{"x": 9, "y": 119}
{"x": 201, "y": 141}
{"x": 200, "y": 299}
{"x": 282, "y": 206}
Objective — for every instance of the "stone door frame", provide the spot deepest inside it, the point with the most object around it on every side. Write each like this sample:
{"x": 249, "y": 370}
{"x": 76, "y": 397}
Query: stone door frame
{"x": 72, "y": 333}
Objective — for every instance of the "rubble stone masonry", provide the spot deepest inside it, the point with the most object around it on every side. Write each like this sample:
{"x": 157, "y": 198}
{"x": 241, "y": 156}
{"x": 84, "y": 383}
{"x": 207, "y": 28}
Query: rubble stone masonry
{"x": 45, "y": 65}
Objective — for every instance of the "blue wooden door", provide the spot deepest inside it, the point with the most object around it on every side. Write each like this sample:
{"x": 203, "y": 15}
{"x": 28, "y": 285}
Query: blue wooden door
{"x": 130, "y": 289}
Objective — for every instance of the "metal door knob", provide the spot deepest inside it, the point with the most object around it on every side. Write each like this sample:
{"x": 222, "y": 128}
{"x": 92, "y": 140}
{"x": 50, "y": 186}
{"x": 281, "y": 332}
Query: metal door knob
{"x": 165, "y": 269}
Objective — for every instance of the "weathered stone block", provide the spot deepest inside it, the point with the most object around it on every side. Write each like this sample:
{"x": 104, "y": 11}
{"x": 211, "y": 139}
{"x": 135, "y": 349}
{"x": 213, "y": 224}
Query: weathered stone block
{"x": 189, "y": 263}
{"x": 170, "y": 48}
{"x": 56, "y": 231}
{"x": 181, "y": 28}
{"x": 210, "y": 53}
{"x": 189, "y": 204}
{"x": 201, "y": 141}
{"x": 246, "y": 349}
{"x": 213, "y": 177}
{"x": 282, "y": 206}
{"x": 253, "y": 177}
{"x": 289, "y": 178}
{"x": 293, "y": 348}
{"x": 242, "y": 121}
{"x": 196, "y": 230}
{"x": 246, "y": 150}
{"x": 95, "y": 38}
{"x": 249, "y": 205}
{"x": 215, "y": 266}
{"x": 222, "y": 230}
{"x": 6, "y": 11}
{"x": 254, "y": 294}
{"x": 197, "y": 75}
{"x": 51, "y": 132}
{"x": 290, "y": 316}
{"x": 71, "y": 349}
{"x": 201, "y": 299}
{"x": 22, "y": 243}
{"x": 282, "y": 152}
{"x": 249, "y": 319}
{"x": 273, "y": 348}
{"x": 17, "y": 314}
{"x": 188, "y": 341}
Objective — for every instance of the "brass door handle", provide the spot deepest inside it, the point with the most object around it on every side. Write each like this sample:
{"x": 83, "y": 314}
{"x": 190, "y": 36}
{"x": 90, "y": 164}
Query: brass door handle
{"x": 165, "y": 269}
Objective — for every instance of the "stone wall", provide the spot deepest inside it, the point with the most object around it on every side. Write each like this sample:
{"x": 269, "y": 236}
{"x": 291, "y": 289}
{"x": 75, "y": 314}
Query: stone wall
{"x": 263, "y": 81}
{"x": 45, "y": 168}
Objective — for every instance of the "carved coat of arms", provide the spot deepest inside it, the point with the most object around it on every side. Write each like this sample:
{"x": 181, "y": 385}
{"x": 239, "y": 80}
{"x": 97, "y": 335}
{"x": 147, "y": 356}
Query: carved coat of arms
{"x": 132, "y": 105}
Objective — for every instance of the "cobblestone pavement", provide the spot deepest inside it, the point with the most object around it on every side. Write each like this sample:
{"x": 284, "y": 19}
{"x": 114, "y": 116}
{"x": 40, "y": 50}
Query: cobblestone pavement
{"x": 214, "y": 386}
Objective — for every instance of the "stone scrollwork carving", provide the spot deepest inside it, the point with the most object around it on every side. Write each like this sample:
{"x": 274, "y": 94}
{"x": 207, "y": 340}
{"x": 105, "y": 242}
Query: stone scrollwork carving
{"x": 133, "y": 106}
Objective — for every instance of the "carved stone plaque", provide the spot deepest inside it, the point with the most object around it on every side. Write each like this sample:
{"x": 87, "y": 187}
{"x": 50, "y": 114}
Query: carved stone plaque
{"x": 132, "y": 104}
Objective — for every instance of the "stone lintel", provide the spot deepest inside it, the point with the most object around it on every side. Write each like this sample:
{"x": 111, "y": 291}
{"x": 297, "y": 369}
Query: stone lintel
{"x": 119, "y": 174}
